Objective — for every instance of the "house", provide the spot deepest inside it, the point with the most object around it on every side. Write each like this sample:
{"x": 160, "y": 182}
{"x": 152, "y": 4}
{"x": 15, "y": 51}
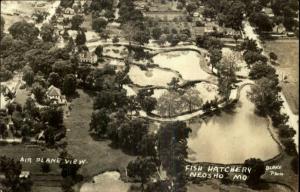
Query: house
{"x": 209, "y": 29}
{"x": 54, "y": 94}
{"x": 268, "y": 11}
{"x": 87, "y": 57}
{"x": 229, "y": 32}
{"x": 69, "y": 11}
{"x": 279, "y": 29}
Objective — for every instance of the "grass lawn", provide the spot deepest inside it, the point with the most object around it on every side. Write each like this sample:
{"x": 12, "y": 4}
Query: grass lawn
{"x": 46, "y": 189}
{"x": 21, "y": 96}
{"x": 99, "y": 155}
{"x": 288, "y": 59}
{"x": 26, "y": 151}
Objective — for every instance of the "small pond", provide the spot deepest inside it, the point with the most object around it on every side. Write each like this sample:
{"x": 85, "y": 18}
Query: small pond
{"x": 187, "y": 63}
{"x": 108, "y": 182}
{"x": 232, "y": 137}
{"x": 152, "y": 76}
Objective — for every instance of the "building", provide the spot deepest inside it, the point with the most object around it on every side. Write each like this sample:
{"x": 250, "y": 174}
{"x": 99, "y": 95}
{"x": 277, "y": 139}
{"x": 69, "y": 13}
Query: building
{"x": 54, "y": 94}
{"x": 87, "y": 57}
{"x": 69, "y": 11}
{"x": 229, "y": 32}
{"x": 209, "y": 29}
{"x": 269, "y": 12}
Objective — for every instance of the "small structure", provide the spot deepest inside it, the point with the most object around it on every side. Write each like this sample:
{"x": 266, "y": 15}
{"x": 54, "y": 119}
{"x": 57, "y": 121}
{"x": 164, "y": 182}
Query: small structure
{"x": 24, "y": 175}
{"x": 229, "y": 32}
{"x": 196, "y": 14}
{"x": 87, "y": 57}
{"x": 269, "y": 12}
{"x": 209, "y": 29}
{"x": 54, "y": 94}
{"x": 69, "y": 11}
{"x": 279, "y": 29}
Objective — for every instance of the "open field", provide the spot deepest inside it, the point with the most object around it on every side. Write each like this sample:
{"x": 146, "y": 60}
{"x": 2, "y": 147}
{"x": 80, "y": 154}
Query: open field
{"x": 288, "y": 60}
{"x": 30, "y": 151}
{"x": 99, "y": 155}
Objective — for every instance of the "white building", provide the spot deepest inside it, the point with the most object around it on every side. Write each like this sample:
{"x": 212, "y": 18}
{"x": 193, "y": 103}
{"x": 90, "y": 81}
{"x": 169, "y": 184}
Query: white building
{"x": 54, "y": 94}
{"x": 87, "y": 57}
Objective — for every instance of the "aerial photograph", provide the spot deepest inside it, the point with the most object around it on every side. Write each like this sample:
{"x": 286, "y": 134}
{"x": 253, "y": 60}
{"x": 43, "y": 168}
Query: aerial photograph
{"x": 149, "y": 95}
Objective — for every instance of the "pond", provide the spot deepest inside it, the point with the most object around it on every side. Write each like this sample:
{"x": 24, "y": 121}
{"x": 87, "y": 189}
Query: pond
{"x": 232, "y": 138}
{"x": 151, "y": 76}
{"x": 187, "y": 63}
{"x": 108, "y": 182}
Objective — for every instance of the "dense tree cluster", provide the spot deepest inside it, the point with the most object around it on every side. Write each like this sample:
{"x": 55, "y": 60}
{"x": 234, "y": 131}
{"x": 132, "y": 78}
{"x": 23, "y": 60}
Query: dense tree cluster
{"x": 172, "y": 150}
{"x": 228, "y": 13}
{"x": 266, "y": 96}
{"x": 12, "y": 182}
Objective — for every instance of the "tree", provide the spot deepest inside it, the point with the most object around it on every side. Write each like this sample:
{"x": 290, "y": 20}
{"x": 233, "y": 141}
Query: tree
{"x": 66, "y": 3}
{"x": 2, "y": 22}
{"x": 156, "y": 33}
{"x": 40, "y": 16}
{"x": 54, "y": 79}
{"x": 28, "y": 75}
{"x": 286, "y": 131}
{"x": 69, "y": 85}
{"x": 76, "y": 21}
{"x": 147, "y": 146}
{"x": 250, "y": 45}
{"x": 99, "y": 121}
{"x": 172, "y": 149}
{"x": 131, "y": 134}
{"x": 258, "y": 168}
{"x": 47, "y": 33}
{"x": 148, "y": 104}
{"x": 192, "y": 99}
{"x": 295, "y": 164}
{"x": 53, "y": 116}
{"x": 24, "y": 31}
{"x": 169, "y": 103}
{"x": 273, "y": 56}
{"x": 142, "y": 168}
{"x": 99, "y": 51}
{"x": 3, "y": 128}
{"x": 289, "y": 23}
{"x": 45, "y": 167}
{"x": 80, "y": 38}
{"x": 68, "y": 169}
{"x": 227, "y": 75}
{"x": 39, "y": 92}
{"x": 191, "y": 8}
{"x": 12, "y": 170}
{"x": 99, "y": 24}
{"x": 115, "y": 39}
{"x": 31, "y": 109}
{"x": 260, "y": 69}
{"x": 253, "y": 56}
{"x": 265, "y": 96}
{"x": 209, "y": 12}
{"x": 215, "y": 57}
{"x": 262, "y": 21}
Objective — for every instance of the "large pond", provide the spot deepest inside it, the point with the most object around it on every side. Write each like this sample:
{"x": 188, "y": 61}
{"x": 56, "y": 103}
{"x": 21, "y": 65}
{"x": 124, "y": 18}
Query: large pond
{"x": 151, "y": 76}
{"x": 187, "y": 63}
{"x": 232, "y": 137}
{"x": 108, "y": 182}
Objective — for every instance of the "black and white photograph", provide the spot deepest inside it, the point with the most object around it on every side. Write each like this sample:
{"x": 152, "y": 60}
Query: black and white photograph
{"x": 149, "y": 95}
